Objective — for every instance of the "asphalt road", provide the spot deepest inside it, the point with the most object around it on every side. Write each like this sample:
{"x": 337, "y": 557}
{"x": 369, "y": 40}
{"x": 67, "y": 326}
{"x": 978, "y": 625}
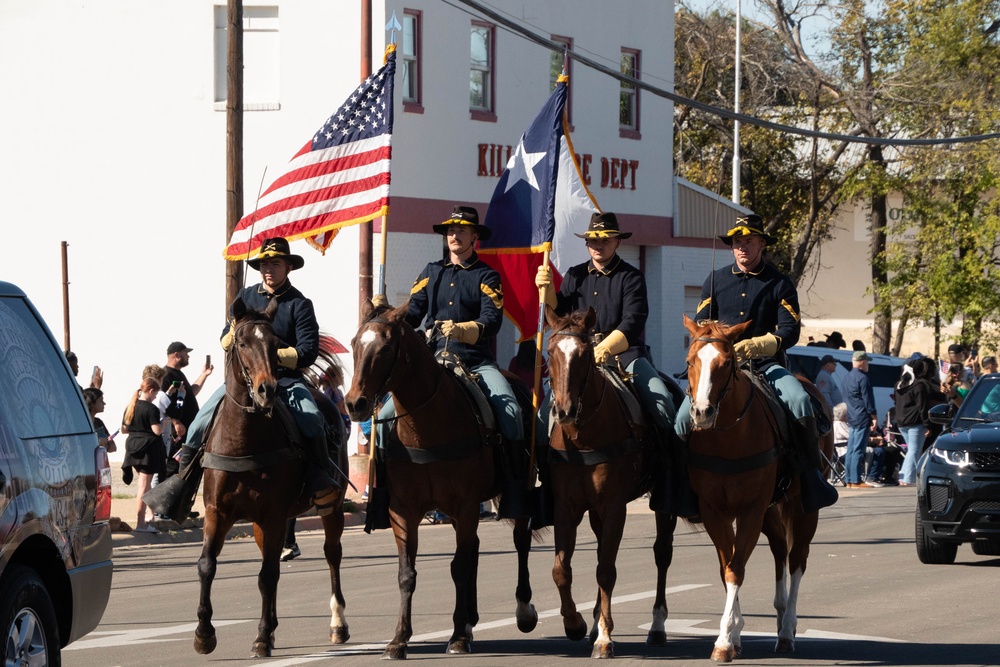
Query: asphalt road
{"x": 866, "y": 599}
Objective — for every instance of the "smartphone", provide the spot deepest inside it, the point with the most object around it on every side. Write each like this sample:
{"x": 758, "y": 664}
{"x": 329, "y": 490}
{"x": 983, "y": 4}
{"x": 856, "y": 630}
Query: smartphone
{"x": 208, "y": 361}
{"x": 93, "y": 374}
{"x": 176, "y": 383}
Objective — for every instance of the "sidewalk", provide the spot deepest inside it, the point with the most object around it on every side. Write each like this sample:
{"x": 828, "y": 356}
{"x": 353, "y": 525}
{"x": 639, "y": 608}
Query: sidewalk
{"x": 123, "y": 515}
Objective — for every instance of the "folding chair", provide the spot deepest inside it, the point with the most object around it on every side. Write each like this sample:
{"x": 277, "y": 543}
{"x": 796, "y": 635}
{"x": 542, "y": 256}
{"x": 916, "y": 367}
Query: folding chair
{"x": 836, "y": 472}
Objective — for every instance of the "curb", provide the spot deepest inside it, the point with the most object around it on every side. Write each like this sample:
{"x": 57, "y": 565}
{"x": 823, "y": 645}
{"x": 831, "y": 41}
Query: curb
{"x": 191, "y": 530}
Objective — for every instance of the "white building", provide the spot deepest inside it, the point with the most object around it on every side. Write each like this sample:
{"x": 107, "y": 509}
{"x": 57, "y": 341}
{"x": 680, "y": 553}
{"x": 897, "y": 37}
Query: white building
{"x": 113, "y": 138}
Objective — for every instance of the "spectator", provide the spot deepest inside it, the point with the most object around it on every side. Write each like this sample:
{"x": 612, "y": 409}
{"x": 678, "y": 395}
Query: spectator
{"x": 827, "y": 383}
{"x": 96, "y": 378}
{"x": 876, "y": 457}
{"x": 857, "y": 346}
{"x": 95, "y": 405}
{"x": 861, "y": 416}
{"x": 144, "y": 447}
{"x": 893, "y": 451}
{"x": 989, "y": 365}
{"x": 522, "y": 364}
{"x": 183, "y": 406}
{"x": 836, "y": 340}
{"x": 915, "y": 393}
{"x": 956, "y": 384}
{"x": 966, "y": 365}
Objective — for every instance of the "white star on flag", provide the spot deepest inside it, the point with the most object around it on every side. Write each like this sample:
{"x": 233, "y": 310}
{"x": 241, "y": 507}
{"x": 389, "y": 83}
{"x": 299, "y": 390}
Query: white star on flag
{"x": 521, "y": 166}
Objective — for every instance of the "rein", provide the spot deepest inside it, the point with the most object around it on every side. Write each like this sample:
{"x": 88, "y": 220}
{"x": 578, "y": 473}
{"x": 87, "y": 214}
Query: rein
{"x": 389, "y": 374}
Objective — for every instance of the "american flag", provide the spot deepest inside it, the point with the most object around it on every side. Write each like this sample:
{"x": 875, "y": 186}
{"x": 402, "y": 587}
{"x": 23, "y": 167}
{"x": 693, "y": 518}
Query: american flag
{"x": 339, "y": 178}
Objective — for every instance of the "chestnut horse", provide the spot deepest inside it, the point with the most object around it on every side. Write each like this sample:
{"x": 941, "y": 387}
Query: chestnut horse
{"x": 445, "y": 464}
{"x": 253, "y": 472}
{"x": 598, "y": 461}
{"x": 735, "y": 466}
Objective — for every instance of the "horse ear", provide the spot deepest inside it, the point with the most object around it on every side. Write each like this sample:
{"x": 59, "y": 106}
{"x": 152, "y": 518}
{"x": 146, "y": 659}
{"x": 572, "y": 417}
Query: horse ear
{"x": 238, "y": 309}
{"x": 550, "y": 316}
{"x": 690, "y": 325}
{"x": 366, "y": 310}
{"x": 734, "y": 332}
{"x": 272, "y": 308}
{"x": 589, "y": 318}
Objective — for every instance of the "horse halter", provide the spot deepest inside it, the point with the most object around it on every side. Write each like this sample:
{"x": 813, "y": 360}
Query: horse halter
{"x": 725, "y": 387}
{"x": 578, "y": 421}
{"x": 244, "y": 373}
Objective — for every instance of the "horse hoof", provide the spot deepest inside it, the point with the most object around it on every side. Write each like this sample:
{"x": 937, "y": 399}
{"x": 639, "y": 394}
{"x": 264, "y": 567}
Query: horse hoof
{"x": 394, "y": 652}
{"x": 605, "y": 650}
{"x": 722, "y": 654}
{"x": 784, "y": 645}
{"x": 261, "y": 650}
{"x": 462, "y": 645}
{"x": 656, "y": 638}
{"x": 578, "y": 630}
{"x": 527, "y": 617}
{"x": 205, "y": 645}
{"x": 339, "y": 635}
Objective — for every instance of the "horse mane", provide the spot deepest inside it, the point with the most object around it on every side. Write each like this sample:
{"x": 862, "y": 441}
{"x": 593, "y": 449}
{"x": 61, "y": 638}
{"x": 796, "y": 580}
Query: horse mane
{"x": 327, "y": 366}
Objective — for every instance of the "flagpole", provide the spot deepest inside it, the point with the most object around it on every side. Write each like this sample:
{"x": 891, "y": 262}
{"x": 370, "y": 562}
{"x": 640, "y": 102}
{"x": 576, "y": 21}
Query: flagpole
{"x": 537, "y": 388}
{"x": 383, "y": 239}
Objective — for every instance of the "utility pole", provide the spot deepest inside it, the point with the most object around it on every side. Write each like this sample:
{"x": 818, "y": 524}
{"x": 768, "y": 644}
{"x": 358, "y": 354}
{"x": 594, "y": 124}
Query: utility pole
{"x": 65, "y": 295}
{"x": 234, "y": 141}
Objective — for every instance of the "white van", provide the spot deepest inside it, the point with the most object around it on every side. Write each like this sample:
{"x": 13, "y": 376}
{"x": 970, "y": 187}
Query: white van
{"x": 883, "y": 370}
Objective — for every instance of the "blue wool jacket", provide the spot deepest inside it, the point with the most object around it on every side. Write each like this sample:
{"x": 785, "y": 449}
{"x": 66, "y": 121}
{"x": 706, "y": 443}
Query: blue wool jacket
{"x": 860, "y": 399}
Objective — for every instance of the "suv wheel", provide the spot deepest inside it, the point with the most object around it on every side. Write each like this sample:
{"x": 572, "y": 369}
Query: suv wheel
{"x": 26, "y": 611}
{"x": 933, "y": 552}
{"x": 986, "y": 547}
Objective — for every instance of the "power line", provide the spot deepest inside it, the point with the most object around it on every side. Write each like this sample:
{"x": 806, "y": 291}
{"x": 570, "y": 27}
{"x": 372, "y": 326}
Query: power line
{"x": 708, "y": 108}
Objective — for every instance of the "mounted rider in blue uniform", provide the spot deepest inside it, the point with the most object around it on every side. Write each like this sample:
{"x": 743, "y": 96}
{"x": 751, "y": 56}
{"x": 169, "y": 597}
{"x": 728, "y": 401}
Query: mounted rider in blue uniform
{"x": 753, "y": 289}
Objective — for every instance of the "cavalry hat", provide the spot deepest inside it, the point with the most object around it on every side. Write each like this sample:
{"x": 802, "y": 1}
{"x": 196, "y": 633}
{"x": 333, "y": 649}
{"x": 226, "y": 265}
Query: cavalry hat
{"x": 276, "y": 247}
{"x": 178, "y": 346}
{"x": 604, "y": 226}
{"x": 748, "y": 225}
{"x": 464, "y": 215}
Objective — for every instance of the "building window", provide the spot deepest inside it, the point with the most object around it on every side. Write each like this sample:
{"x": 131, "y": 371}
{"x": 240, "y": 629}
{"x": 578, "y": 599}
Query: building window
{"x": 260, "y": 58}
{"x": 481, "y": 72}
{"x": 411, "y": 61}
{"x": 555, "y": 69}
{"x": 628, "y": 99}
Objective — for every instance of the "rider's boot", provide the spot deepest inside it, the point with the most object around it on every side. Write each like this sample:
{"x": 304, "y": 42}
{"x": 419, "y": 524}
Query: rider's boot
{"x": 685, "y": 500}
{"x": 515, "y": 497}
{"x": 175, "y": 496}
{"x": 817, "y": 492}
{"x": 322, "y": 476}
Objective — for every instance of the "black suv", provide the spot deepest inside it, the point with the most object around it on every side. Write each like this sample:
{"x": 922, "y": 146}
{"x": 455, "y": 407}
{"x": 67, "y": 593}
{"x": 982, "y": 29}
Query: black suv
{"x": 55, "y": 495}
{"x": 958, "y": 478}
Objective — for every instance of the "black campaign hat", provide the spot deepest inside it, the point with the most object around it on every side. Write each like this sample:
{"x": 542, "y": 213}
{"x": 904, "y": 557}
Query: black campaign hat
{"x": 604, "y": 226}
{"x": 748, "y": 225}
{"x": 464, "y": 215}
{"x": 276, "y": 247}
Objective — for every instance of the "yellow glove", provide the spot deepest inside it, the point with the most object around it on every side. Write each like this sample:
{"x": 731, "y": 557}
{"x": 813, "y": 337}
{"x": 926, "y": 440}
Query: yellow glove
{"x": 543, "y": 280}
{"x": 758, "y": 346}
{"x": 464, "y": 332}
{"x": 379, "y": 301}
{"x": 614, "y": 343}
{"x": 227, "y": 339}
{"x": 288, "y": 357}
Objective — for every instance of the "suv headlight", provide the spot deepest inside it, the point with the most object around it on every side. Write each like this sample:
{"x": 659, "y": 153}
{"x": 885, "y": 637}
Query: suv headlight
{"x": 960, "y": 459}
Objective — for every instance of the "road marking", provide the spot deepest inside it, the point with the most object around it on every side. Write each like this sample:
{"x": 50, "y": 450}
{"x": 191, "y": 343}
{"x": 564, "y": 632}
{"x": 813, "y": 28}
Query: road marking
{"x": 687, "y": 626}
{"x": 118, "y": 638}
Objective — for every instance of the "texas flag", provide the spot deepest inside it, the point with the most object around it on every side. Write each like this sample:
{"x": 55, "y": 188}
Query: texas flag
{"x": 538, "y": 204}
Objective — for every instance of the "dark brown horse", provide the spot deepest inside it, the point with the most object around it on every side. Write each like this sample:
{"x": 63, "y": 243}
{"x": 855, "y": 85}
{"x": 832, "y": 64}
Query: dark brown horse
{"x": 735, "y": 467}
{"x": 600, "y": 459}
{"x": 445, "y": 464}
{"x": 253, "y": 472}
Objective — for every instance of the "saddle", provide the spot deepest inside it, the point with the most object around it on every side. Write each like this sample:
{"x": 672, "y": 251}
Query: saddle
{"x": 454, "y": 365}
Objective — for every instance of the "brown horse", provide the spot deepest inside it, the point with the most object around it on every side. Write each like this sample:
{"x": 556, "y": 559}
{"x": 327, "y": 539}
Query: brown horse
{"x": 599, "y": 461}
{"x": 253, "y": 472}
{"x": 735, "y": 468}
{"x": 444, "y": 464}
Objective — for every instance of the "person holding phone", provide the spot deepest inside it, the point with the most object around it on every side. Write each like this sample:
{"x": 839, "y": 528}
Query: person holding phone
{"x": 183, "y": 396}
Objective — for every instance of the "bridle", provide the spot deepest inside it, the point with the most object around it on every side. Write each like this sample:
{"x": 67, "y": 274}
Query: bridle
{"x": 391, "y": 372}
{"x": 244, "y": 373}
{"x": 579, "y": 421}
{"x": 730, "y": 382}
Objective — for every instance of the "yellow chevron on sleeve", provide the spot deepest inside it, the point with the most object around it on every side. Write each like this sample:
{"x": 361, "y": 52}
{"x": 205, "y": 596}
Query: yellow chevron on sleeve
{"x": 419, "y": 285}
{"x": 702, "y": 305}
{"x": 789, "y": 308}
{"x": 495, "y": 295}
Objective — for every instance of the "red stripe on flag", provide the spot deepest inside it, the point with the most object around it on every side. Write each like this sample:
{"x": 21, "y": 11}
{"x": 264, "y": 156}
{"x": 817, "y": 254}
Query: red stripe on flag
{"x": 332, "y": 166}
{"x": 520, "y": 296}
